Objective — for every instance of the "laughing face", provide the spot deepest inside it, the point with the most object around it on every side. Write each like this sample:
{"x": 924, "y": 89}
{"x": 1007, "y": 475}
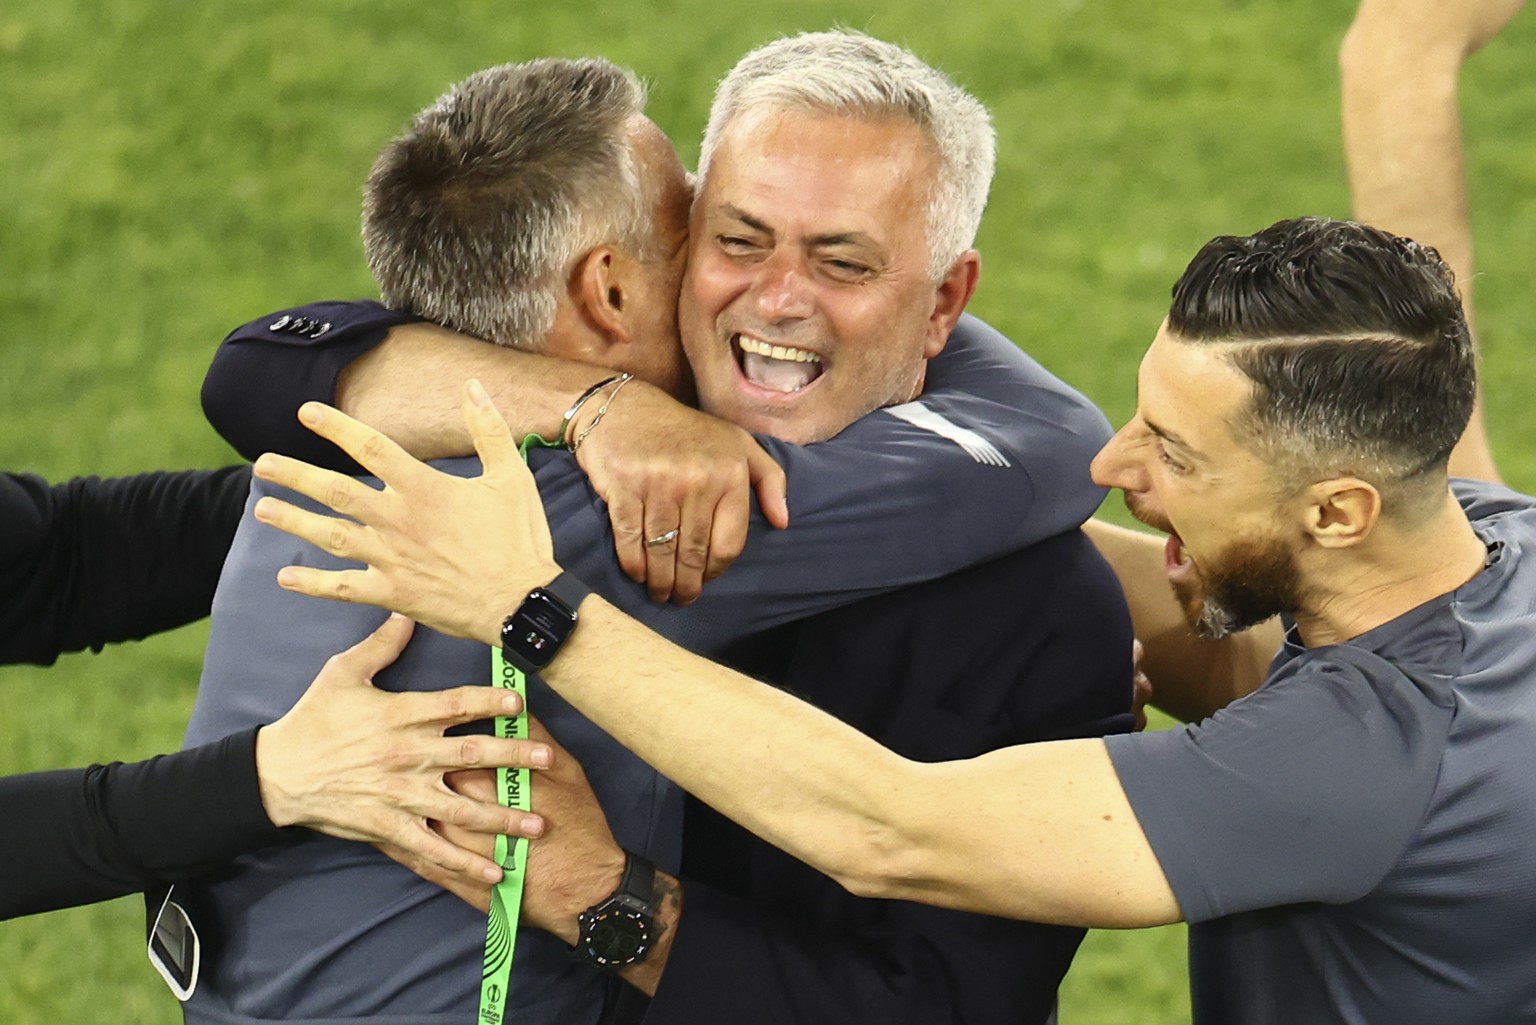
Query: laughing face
{"x": 807, "y": 301}
{"x": 1185, "y": 473}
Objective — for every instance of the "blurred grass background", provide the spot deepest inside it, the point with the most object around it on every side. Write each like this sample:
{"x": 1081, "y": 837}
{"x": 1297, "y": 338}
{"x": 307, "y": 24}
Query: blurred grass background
{"x": 170, "y": 169}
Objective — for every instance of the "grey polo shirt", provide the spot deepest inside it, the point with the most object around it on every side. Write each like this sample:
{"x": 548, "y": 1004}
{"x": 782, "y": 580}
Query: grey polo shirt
{"x": 1354, "y": 841}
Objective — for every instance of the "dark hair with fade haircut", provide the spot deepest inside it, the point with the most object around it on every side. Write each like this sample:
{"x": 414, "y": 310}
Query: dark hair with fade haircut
{"x": 472, "y": 216}
{"x": 1356, "y": 344}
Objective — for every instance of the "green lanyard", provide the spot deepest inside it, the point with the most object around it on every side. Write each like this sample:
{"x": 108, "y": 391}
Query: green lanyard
{"x": 512, "y": 786}
{"x": 512, "y": 791}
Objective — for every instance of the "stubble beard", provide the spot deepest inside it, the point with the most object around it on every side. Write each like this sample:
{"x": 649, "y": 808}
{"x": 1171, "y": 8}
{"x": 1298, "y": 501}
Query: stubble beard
{"x": 1250, "y": 582}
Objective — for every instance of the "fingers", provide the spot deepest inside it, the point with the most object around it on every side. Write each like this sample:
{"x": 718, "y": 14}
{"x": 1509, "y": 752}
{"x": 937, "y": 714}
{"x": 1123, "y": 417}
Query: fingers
{"x": 371, "y": 449}
{"x": 437, "y": 710}
{"x": 485, "y": 817}
{"x": 1141, "y": 685}
{"x": 476, "y": 893}
{"x": 770, "y": 483}
{"x": 341, "y": 538}
{"x": 691, "y": 555}
{"x": 503, "y": 464}
{"x": 491, "y": 435}
{"x": 462, "y": 704}
{"x": 377, "y": 651}
{"x": 478, "y": 784}
{"x": 661, "y": 533}
{"x": 728, "y": 532}
{"x": 474, "y": 751}
{"x": 626, "y": 512}
{"x": 432, "y": 849}
{"x": 349, "y": 585}
{"x": 336, "y": 491}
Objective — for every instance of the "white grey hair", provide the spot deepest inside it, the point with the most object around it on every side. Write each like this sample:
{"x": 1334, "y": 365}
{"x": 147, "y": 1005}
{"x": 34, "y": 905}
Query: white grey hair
{"x": 851, "y": 74}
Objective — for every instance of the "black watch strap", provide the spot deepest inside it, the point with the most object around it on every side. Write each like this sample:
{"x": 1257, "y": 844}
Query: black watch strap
{"x": 570, "y": 589}
{"x": 639, "y": 881}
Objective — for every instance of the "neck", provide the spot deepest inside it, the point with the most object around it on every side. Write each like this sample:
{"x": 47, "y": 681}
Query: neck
{"x": 1388, "y": 574}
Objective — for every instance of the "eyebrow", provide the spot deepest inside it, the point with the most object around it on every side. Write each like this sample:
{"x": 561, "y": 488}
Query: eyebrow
{"x": 1173, "y": 439}
{"x": 736, "y": 213}
{"x": 846, "y": 238}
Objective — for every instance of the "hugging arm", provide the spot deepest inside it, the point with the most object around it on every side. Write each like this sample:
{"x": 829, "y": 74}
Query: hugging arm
{"x": 347, "y": 760}
{"x": 94, "y": 561}
{"x": 388, "y": 368}
{"x": 657, "y": 464}
{"x": 993, "y": 457}
{"x": 85, "y": 835}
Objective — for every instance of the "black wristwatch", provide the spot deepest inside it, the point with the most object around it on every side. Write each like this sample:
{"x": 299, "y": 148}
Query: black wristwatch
{"x": 619, "y": 931}
{"x": 532, "y": 636}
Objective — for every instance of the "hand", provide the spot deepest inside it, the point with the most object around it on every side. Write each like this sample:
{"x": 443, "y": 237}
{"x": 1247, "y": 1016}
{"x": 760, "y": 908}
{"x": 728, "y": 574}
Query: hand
{"x": 661, "y": 467}
{"x": 364, "y": 764}
{"x": 573, "y": 864}
{"x": 1141, "y": 685}
{"x": 457, "y": 554}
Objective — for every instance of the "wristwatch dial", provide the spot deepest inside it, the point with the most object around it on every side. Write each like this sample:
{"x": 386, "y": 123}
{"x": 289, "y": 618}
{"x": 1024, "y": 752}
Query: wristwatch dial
{"x": 531, "y": 637}
{"x": 536, "y": 630}
{"x": 618, "y": 931}
{"x": 616, "y": 936}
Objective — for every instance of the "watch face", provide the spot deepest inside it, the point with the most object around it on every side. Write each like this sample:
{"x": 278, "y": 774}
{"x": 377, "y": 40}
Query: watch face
{"x": 535, "y": 632}
{"x": 617, "y": 937}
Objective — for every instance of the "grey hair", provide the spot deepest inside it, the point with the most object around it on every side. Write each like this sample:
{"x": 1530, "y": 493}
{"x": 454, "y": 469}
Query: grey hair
{"x": 473, "y": 216}
{"x": 852, "y": 74}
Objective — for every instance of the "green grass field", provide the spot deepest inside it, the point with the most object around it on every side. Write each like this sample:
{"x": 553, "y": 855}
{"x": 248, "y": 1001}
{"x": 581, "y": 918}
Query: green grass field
{"x": 171, "y": 169}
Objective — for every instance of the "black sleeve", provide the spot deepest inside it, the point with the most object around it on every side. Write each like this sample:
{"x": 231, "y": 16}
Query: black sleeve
{"x": 265, "y": 370}
{"x": 1035, "y": 646}
{"x": 81, "y": 835}
{"x": 92, "y": 561}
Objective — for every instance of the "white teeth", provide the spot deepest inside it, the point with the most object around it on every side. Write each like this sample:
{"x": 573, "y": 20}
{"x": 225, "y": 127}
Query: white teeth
{"x": 757, "y": 347}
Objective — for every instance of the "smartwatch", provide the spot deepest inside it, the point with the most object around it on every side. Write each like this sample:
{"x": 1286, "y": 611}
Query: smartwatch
{"x": 619, "y": 931}
{"x": 532, "y": 636}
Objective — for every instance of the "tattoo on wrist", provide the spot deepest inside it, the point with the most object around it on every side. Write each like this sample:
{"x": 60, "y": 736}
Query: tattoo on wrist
{"x": 668, "y": 901}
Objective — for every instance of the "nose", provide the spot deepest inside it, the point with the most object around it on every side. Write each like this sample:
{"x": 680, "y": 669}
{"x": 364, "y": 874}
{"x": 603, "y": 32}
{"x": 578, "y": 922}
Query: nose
{"x": 1118, "y": 464}
{"x": 783, "y": 288}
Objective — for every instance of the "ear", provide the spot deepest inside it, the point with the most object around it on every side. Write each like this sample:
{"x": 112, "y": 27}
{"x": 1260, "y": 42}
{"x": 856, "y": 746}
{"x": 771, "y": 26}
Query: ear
{"x": 602, "y": 295}
{"x": 1341, "y": 512}
{"x": 950, "y": 296}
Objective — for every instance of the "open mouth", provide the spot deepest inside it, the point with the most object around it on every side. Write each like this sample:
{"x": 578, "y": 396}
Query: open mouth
{"x": 1175, "y": 560}
{"x": 777, "y": 368}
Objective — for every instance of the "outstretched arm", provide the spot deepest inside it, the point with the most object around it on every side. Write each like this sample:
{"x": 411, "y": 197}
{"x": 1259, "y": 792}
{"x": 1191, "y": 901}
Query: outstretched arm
{"x": 1400, "y": 64}
{"x": 94, "y": 561}
{"x": 1042, "y": 831}
{"x": 347, "y": 760}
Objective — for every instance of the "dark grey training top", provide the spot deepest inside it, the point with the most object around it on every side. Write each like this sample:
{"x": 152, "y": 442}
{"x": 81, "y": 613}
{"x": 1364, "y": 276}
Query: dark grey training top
{"x": 992, "y": 458}
{"x": 1356, "y": 841}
